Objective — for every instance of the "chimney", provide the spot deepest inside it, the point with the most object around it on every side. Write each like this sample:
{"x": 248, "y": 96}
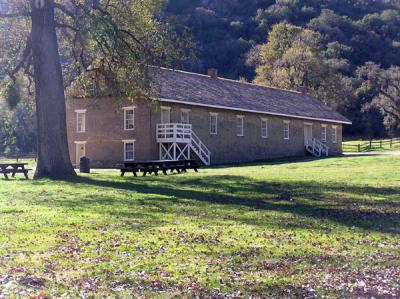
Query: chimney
{"x": 213, "y": 73}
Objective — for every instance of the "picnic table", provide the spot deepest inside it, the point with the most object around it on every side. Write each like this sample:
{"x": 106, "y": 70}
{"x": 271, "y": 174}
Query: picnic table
{"x": 149, "y": 167}
{"x": 14, "y": 168}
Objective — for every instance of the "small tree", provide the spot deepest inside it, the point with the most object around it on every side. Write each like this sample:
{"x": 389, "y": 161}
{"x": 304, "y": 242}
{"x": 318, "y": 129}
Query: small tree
{"x": 384, "y": 87}
{"x": 293, "y": 58}
{"x": 10, "y": 142}
{"x": 54, "y": 43}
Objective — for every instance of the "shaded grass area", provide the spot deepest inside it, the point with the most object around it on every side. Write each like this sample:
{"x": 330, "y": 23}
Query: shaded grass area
{"x": 293, "y": 228}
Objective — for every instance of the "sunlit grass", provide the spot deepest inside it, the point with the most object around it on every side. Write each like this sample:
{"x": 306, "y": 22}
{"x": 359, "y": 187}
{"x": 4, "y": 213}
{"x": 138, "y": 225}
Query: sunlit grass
{"x": 297, "y": 228}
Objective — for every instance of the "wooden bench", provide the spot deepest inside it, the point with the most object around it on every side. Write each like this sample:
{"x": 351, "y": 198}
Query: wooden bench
{"x": 13, "y": 169}
{"x": 149, "y": 167}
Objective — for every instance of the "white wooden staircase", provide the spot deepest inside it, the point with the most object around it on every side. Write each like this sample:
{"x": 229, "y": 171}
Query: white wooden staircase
{"x": 177, "y": 141}
{"x": 316, "y": 148}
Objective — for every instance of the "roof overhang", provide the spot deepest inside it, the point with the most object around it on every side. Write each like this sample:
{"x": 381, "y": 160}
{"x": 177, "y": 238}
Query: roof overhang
{"x": 254, "y": 111}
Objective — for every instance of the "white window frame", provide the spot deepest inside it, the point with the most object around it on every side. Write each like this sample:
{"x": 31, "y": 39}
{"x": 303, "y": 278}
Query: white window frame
{"x": 324, "y": 130}
{"x": 264, "y": 129}
{"x": 165, "y": 108}
{"x": 240, "y": 125}
{"x": 286, "y": 123}
{"x": 83, "y": 113}
{"x": 187, "y": 112}
{"x": 334, "y": 134}
{"x": 212, "y": 116}
{"x": 126, "y": 109}
{"x": 126, "y": 142}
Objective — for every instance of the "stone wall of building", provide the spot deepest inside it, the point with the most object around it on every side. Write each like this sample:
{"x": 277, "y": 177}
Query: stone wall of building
{"x": 104, "y": 134}
{"x": 227, "y": 147}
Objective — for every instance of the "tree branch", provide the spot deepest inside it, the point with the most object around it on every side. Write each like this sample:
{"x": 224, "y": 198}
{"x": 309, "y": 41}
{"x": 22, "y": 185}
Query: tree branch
{"x": 25, "y": 57}
{"x": 63, "y": 25}
{"x": 65, "y": 10}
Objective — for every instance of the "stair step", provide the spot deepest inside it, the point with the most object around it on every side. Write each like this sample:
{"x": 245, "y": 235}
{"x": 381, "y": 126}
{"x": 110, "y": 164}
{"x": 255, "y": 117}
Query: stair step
{"x": 317, "y": 148}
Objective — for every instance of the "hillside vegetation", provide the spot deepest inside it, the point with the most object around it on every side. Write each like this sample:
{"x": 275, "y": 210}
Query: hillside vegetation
{"x": 303, "y": 228}
{"x": 226, "y": 30}
{"x": 355, "y": 45}
{"x": 344, "y": 52}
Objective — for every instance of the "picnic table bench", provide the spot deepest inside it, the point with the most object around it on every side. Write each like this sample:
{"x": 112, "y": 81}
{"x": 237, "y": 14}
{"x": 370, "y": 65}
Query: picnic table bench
{"x": 149, "y": 167}
{"x": 13, "y": 169}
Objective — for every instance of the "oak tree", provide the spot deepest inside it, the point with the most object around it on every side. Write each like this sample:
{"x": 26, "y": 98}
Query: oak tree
{"x": 53, "y": 44}
{"x": 384, "y": 87}
{"x": 293, "y": 58}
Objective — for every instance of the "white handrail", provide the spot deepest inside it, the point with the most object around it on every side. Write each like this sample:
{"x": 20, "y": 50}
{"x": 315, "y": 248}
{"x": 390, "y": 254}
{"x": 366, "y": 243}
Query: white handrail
{"x": 316, "y": 147}
{"x": 201, "y": 149}
{"x": 183, "y": 133}
{"x": 174, "y": 131}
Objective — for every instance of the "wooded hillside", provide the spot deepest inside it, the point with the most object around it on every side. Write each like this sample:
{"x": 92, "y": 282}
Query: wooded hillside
{"x": 228, "y": 35}
{"x": 345, "y": 52}
{"x": 225, "y": 30}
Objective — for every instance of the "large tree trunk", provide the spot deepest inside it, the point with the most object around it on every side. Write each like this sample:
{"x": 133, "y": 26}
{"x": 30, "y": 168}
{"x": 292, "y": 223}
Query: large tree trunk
{"x": 53, "y": 155}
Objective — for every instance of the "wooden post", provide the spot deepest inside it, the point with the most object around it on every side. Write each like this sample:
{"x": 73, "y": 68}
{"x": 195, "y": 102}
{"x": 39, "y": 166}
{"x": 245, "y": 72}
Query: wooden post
{"x": 370, "y": 145}
{"x": 381, "y": 144}
{"x": 391, "y": 143}
{"x": 359, "y": 148}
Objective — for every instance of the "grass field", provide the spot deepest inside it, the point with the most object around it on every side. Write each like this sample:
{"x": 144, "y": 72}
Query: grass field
{"x": 303, "y": 228}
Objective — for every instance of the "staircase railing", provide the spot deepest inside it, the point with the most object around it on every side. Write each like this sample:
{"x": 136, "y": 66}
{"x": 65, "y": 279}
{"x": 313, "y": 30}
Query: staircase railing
{"x": 316, "y": 147}
{"x": 200, "y": 149}
{"x": 174, "y": 133}
{"x": 183, "y": 133}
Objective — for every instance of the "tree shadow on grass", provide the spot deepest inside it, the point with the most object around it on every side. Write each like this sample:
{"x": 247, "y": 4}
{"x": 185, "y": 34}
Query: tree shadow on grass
{"x": 308, "y": 199}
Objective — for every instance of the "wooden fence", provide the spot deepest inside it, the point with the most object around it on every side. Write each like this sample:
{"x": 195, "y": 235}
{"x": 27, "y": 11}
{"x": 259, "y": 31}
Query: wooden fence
{"x": 372, "y": 145}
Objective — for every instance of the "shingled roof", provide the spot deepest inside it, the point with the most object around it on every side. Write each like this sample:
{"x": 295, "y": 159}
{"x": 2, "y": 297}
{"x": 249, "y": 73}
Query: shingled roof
{"x": 202, "y": 90}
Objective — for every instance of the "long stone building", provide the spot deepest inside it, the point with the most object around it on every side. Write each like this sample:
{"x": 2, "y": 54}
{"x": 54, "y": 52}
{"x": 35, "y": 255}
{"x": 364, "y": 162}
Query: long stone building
{"x": 205, "y": 117}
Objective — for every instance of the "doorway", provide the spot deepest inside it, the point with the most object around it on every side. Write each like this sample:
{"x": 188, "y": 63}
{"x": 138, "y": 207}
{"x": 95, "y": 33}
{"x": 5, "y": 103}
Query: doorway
{"x": 307, "y": 133}
{"x": 165, "y": 115}
{"x": 80, "y": 152}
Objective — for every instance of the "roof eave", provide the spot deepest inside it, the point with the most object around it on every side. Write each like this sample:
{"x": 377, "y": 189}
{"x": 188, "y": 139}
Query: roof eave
{"x": 253, "y": 111}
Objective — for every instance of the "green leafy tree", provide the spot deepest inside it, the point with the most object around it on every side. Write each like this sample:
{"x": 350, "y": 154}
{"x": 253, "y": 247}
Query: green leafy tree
{"x": 384, "y": 86}
{"x": 293, "y": 58}
{"x": 55, "y": 43}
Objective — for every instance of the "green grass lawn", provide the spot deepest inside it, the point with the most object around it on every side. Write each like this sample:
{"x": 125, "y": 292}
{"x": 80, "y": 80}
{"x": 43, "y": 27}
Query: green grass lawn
{"x": 302, "y": 228}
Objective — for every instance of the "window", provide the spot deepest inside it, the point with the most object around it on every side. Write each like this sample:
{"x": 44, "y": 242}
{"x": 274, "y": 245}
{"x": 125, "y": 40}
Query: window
{"x": 264, "y": 128}
{"x": 129, "y": 150}
{"x": 165, "y": 115}
{"x": 213, "y": 123}
{"x": 91, "y": 89}
{"x": 334, "y": 134}
{"x": 323, "y": 133}
{"x": 129, "y": 118}
{"x": 239, "y": 125}
{"x": 286, "y": 130}
{"x": 80, "y": 121}
{"x": 185, "y": 116}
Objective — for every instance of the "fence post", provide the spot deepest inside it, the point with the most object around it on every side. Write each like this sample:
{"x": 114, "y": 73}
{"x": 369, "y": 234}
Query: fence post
{"x": 381, "y": 144}
{"x": 359, "y": 148}
{"x": 370, "y": 145}
{"x": 391, "y": 143}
